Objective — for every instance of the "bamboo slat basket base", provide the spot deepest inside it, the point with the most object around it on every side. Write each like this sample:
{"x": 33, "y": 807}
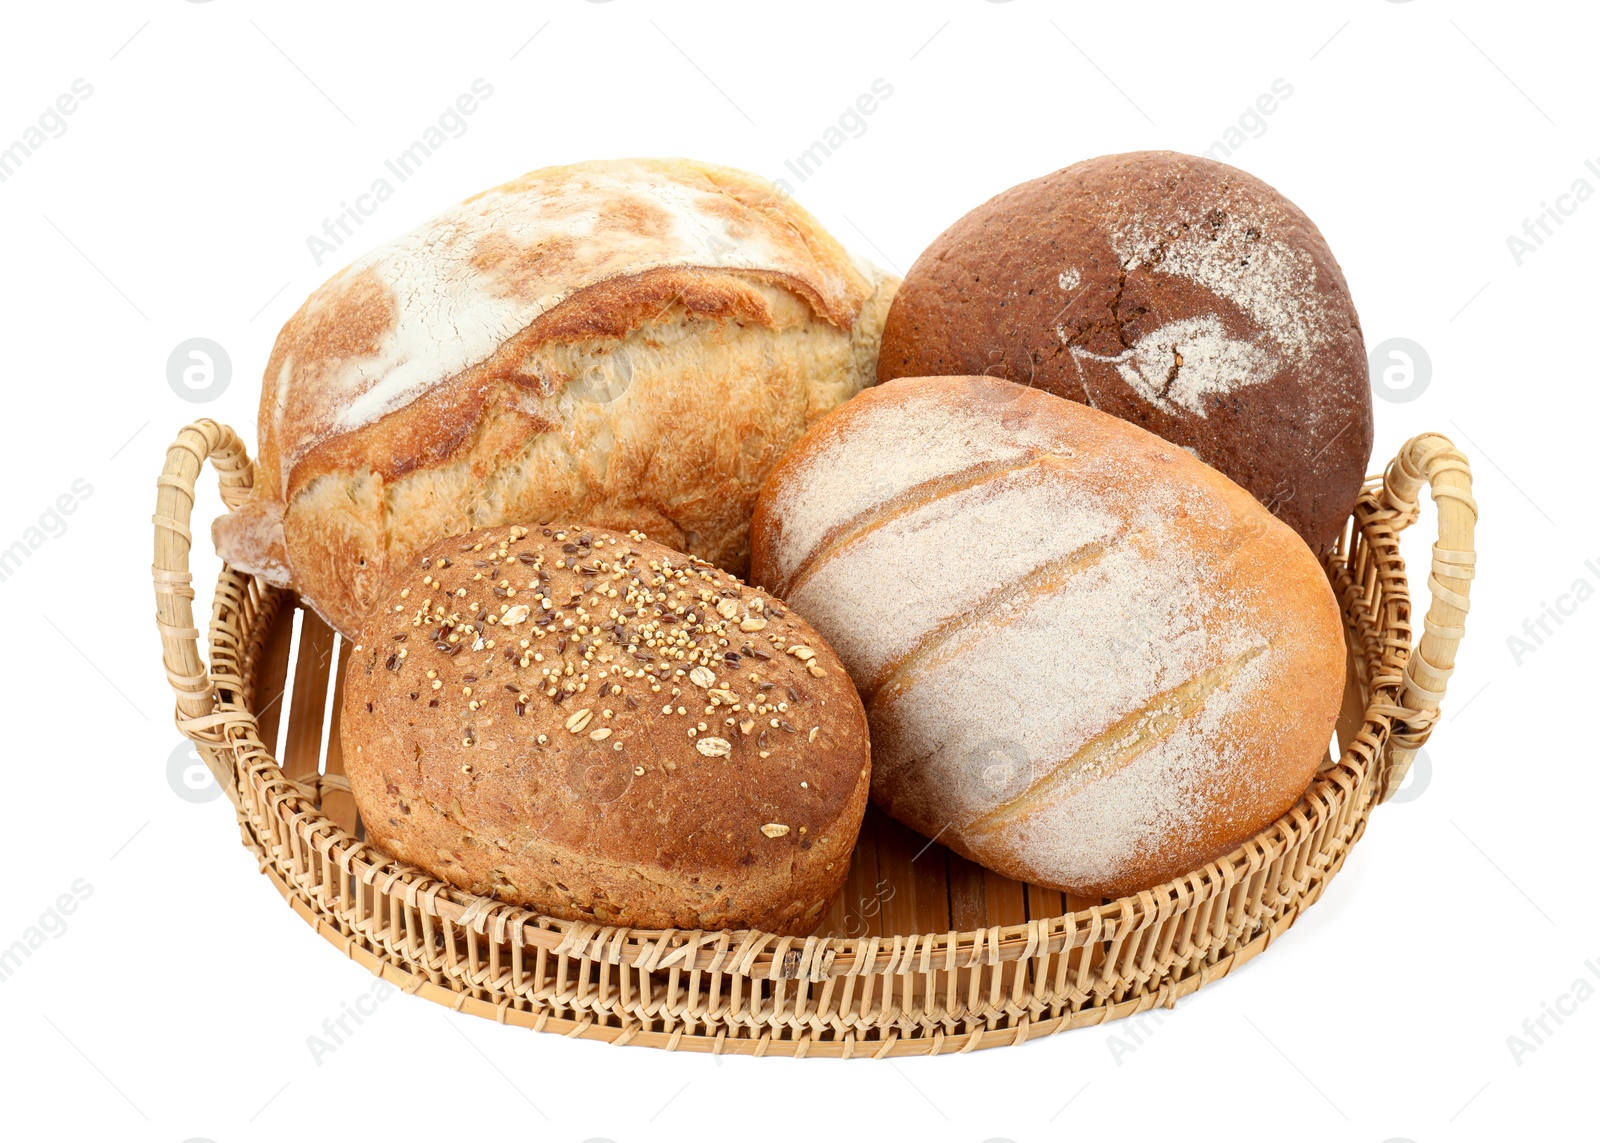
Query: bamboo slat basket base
{"x": 922, "y": 953}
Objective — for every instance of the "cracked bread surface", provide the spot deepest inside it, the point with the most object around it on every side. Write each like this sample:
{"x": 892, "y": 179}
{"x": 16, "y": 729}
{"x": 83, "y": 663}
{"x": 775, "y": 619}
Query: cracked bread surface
{"x": 1089, "y": 661}
{"x": 602, "y": 728}
{"x": 632, "y": 343}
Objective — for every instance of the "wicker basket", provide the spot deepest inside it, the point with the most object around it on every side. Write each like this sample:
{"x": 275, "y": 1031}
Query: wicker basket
{"x": 922, "y": 953}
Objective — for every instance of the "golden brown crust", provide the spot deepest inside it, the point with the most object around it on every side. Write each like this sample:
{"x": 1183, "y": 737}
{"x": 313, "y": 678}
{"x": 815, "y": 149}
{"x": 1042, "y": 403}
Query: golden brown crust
{"x": 1089, "y": 660}
{"x": 425, "y": 372}
{"x": 433, "y": 427}
{"x": 475, "y": 755}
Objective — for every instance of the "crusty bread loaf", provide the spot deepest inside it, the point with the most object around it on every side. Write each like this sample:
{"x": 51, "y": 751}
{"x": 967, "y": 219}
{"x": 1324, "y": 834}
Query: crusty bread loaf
{"x": 1178, "y": 293}
{"x": 1089, "y": 660}
{"x": 602, "y": 728}
{"x": 631, "y": 343}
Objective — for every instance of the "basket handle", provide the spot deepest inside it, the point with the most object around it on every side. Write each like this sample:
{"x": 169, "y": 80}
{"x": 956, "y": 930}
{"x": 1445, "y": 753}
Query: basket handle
{"x": 1433, "y": 460}
{"x": 180, "y": 649}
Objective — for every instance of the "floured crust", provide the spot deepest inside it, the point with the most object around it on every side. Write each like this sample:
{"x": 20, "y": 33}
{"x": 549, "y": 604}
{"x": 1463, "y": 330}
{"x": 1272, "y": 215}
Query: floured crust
{"x": 695, "y": 758}
{"x": 1175, "y": 292}
{"x": 413, "y": 315}
{"x": 456, "y": 344}
{"x": 1088, "y": 660}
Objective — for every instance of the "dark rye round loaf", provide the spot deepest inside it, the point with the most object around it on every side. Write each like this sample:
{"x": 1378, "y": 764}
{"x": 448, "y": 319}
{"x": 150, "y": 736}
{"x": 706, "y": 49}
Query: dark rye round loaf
{"x": 602, "y": 728}
{"x": 1175, "y": 292}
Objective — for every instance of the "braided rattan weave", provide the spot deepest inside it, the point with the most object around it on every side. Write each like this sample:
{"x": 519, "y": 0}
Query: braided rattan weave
{"x": 937, "y": 975}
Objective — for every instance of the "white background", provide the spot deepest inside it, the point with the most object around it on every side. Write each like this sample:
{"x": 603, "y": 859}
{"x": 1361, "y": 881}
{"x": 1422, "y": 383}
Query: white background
{"x": 178, "y": 1001}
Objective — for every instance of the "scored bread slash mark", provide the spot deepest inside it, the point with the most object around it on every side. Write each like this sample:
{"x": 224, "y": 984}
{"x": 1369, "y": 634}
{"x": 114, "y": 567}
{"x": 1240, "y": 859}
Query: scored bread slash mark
{"x": 774, "y": 829}
{"x": 918, "y": 496}
{"x": 1124, "y": 740}
{"x": 1029, "y": 585}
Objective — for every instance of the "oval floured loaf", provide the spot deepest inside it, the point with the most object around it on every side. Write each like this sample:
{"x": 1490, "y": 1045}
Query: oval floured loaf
{"x": 604, "y": 729}
{"x": 633, "y": 343}
{"x": 1089, "y": 660}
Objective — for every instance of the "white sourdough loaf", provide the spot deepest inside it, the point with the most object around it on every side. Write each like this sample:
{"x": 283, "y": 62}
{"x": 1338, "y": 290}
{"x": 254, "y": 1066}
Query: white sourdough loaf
{"x": 632, "y": 343}
{"x": 1088, "y": 659}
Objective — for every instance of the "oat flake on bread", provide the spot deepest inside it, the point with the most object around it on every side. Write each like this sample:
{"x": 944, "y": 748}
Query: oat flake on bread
{"x": 573, "y": 720}
{"x": 1088, "y": 660}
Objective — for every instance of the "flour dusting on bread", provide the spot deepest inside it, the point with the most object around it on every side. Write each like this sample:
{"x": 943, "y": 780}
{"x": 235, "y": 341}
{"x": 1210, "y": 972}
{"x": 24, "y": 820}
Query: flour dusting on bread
{"x": 972, "y": 544}
{"x": 1240, "y": 258}
{"x": 878, "y": 459}
{"x": 1180, "y": 364}
{"x": 1178, "y": 293}
{"x": 458, "y": 287}
{"x": 1067, "y": 631}
{"x": 634, "y": 343}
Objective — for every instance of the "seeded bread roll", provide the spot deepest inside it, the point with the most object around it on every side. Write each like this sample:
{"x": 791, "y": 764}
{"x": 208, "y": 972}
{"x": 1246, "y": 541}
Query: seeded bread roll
{"x": 1178, "y": 293}
{"x": 604, "y": 729}
{"x": 633, "y": 343}
{"x": 1089, "y": 661}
